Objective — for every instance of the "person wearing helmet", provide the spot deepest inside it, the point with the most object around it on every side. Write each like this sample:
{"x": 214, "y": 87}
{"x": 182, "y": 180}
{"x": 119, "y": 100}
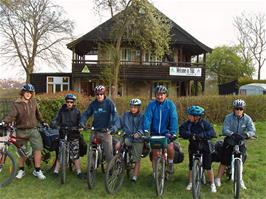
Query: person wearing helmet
{"x": 160, "y": 118}
{"x": 131, "y": 123}
{"x": 195, "y": 127}
{"x": 69, "y": 116}
{"x": 105, "y": 119}
{"x": 26, "y": 115}
{"x": 235, "y": 122}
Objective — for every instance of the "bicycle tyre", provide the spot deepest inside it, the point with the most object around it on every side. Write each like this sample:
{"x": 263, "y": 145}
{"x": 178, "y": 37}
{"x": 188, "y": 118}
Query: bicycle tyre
{"x": 236, "y": 186}
{"x": 115, "y": 174}
{"x": 91, "y": 170}
{"x": 63, "y": 163}
{"x": 160, "y": 176}
{"x": 8, "y": 164}
{"x": 196, "y": 179}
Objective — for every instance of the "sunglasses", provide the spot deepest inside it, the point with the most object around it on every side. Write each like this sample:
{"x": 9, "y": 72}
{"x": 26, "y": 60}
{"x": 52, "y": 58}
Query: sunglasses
{"x": 69, "y": 102}
{"x": 239, "y": 109}
{"x": 99, "y": 94}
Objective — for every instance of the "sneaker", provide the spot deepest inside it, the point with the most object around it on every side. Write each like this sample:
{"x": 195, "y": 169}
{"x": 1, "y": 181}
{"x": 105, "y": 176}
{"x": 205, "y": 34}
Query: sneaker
{"x": 218, "y": 182}
{"x": 39, "y": 174}
{"x": 20, "y": 174}
{"x": 213, "y": 188}
{"x": 189, "y": 186}
{"x": 56, "y": 174}
{"x": 242, "y": 184}
{"x": 171, "y": 168}
{"x": 80, "y": 175}
{"x": 134, "y": 179}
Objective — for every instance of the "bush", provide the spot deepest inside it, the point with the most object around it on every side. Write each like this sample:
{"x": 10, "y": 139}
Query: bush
{"x": 216, "y": 106}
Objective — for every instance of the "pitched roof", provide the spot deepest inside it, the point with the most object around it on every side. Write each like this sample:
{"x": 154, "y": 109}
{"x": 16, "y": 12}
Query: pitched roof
{"x": 102, "y": 33}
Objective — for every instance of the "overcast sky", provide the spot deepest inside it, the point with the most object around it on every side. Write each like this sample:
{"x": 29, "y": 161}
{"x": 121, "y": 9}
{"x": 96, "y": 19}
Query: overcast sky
{"x": 211, "y": 22}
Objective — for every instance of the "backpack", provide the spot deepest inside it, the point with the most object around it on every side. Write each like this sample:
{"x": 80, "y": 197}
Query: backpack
{"x": 50, "y": 138}
{"x": 82, "y": 146}
{"x": 216, "y": 153}
{"x": 179, "y": 155}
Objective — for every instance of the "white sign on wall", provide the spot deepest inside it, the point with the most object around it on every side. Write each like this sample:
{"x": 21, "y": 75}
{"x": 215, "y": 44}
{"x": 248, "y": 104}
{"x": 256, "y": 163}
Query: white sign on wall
{"x": 185, "y": 71}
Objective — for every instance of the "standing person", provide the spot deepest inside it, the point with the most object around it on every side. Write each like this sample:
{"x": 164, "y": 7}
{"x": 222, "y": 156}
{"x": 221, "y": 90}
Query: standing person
{"x": 160, "y": 118}
{"x": 69, "y": 116}
{"x": 131, "y": 123}
{"x": 235, "y": 122}
{"x": 194, "y": 127}
{"x": 26, "y": 115}
{"x": 104, "y": 117}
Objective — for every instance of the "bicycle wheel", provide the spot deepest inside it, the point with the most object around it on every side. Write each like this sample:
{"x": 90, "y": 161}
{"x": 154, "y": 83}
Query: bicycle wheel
{"x": 91, "y": 169}
{"x": 160, "y": 175}
{"x": 115, "y": 173}
{"x": 7, "y": 168}
{"x": 63, "y": 162}
{"x": 236, "y": 179}
{"x": 196, "y": 179}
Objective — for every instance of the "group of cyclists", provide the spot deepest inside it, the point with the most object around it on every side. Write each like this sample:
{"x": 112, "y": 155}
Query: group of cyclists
{"x": 159, "y": 118}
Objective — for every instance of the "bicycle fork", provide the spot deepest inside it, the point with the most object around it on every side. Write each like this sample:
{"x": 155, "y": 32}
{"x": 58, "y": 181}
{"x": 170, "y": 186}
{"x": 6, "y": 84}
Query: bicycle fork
{"x": 233, "y": 168}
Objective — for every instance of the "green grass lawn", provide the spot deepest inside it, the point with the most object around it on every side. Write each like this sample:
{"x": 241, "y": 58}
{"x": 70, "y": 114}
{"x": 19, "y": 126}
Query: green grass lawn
{"x": 254, "y": 176}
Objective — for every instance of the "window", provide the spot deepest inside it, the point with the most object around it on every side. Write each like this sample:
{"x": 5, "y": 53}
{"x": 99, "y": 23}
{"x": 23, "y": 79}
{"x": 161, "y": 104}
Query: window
{"x": 126, "y": 54}
{"x": 57, "y": 84}
{"x": 151, "y": 58}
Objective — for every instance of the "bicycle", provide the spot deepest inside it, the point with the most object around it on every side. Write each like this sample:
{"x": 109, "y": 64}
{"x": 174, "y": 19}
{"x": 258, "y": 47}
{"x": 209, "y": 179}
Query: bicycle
{"x": 95, "y": 157}
{"x": 64, "y": 159}
{"x": 7, "y": 160}
{"x": 198, "y": 176}
{"x": 235, "y": 170}
{"x": 161, "y": 173}
{"x": 115, "y": 172}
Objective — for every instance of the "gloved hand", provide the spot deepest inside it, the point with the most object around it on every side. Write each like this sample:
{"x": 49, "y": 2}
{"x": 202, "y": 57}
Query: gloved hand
{"x": 138, "y": 135}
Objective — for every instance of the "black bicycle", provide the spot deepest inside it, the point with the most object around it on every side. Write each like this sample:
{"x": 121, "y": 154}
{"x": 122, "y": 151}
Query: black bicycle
{"x": 95, "y": 157}
{"x": 63, "y": 158}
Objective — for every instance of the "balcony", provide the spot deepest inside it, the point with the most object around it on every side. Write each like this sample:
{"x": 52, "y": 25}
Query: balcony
{"x": 142, "y": 71}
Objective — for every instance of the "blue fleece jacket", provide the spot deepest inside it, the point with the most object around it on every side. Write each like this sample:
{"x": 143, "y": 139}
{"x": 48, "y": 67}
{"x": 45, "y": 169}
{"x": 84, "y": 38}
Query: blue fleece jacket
{"x": 132, "y": 123}
{"x": 161, "y": 118}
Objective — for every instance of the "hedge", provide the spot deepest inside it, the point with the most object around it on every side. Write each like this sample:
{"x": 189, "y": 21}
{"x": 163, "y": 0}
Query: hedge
{"x": 216, "y": 107}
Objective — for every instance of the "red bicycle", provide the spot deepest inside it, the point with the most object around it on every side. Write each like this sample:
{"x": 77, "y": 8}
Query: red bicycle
{"x": 7, "y": 157}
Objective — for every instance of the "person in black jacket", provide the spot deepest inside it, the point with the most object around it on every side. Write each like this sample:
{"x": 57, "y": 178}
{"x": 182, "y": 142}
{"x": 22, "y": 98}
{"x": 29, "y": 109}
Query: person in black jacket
{"x": 197, "y": 130}
{"x": 69, "y": 116}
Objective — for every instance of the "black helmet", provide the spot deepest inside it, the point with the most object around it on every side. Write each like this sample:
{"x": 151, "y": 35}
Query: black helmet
{"x": 70, "y": 96}
{"x": 160, "y": 89}
{"x": 28, "y": 87}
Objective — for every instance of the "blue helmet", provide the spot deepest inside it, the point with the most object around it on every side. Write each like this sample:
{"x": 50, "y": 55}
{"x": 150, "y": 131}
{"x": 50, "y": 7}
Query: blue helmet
{"x": 195, "y": 111}
{"x": 70, "y": 96}
{"x": 28, "y": 87}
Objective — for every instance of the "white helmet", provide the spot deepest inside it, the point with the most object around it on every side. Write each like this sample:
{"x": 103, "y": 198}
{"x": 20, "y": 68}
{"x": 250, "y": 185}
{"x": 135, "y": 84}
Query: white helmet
{"x": 239, "y": 103}
{"x": 135, "y": 102}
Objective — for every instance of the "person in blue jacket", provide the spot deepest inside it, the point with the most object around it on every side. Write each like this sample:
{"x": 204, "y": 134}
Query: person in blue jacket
{"x": 235, "y": 122}
{"x": 105, "y": 119}
{"x": 160, "y": 118}
{"x": 195, "y": 127}
{"x": 131, "y": 123}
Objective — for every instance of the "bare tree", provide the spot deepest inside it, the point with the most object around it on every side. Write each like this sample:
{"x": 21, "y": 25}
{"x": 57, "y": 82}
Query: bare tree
{"x": 140, "y": 24}
{"x": 33, "y": 30}
{"x": 251, "y": 38}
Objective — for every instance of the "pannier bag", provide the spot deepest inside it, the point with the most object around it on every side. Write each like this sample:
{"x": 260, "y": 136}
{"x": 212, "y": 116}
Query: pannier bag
{"x": 50, "y": 138}
{"x": 179, "y": 155}
{"x": 216, "y": 154}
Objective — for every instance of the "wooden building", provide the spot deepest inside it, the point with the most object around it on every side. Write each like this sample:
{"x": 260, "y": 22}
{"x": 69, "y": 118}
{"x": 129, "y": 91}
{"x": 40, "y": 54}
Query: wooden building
{"x": 181, "y": 70}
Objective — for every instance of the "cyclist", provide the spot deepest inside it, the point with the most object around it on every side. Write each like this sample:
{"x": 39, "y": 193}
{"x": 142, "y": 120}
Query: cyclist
{"x": 160, "y": 118}
{"x": 25, "y": 113}
{"x": 197, "y": 126}
{"x": 69, "y": 116}
{"x": 105, "y": 117}
{"x": 132, "y": 122}
{"x": 235, "y": 122}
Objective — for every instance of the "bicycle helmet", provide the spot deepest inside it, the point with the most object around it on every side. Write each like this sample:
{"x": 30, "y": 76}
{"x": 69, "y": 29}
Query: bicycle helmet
{"x": 70, "y": 96}
{"x": 239, "y": 103}
{"x": 160, "y": 89}
{"x": 135, "y": 102}
{"x": 196, "y": 111}
{"x": 28, "y": 87}
{"x": 100, "y": 89}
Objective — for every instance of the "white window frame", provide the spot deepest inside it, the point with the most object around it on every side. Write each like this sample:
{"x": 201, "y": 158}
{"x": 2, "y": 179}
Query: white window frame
{"x": 57, "y": 80}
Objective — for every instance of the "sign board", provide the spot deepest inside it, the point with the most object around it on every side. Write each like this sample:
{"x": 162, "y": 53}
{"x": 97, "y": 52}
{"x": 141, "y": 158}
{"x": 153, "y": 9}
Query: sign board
{"x": 185, "y": 71}
{"x": 85, "y": 69}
